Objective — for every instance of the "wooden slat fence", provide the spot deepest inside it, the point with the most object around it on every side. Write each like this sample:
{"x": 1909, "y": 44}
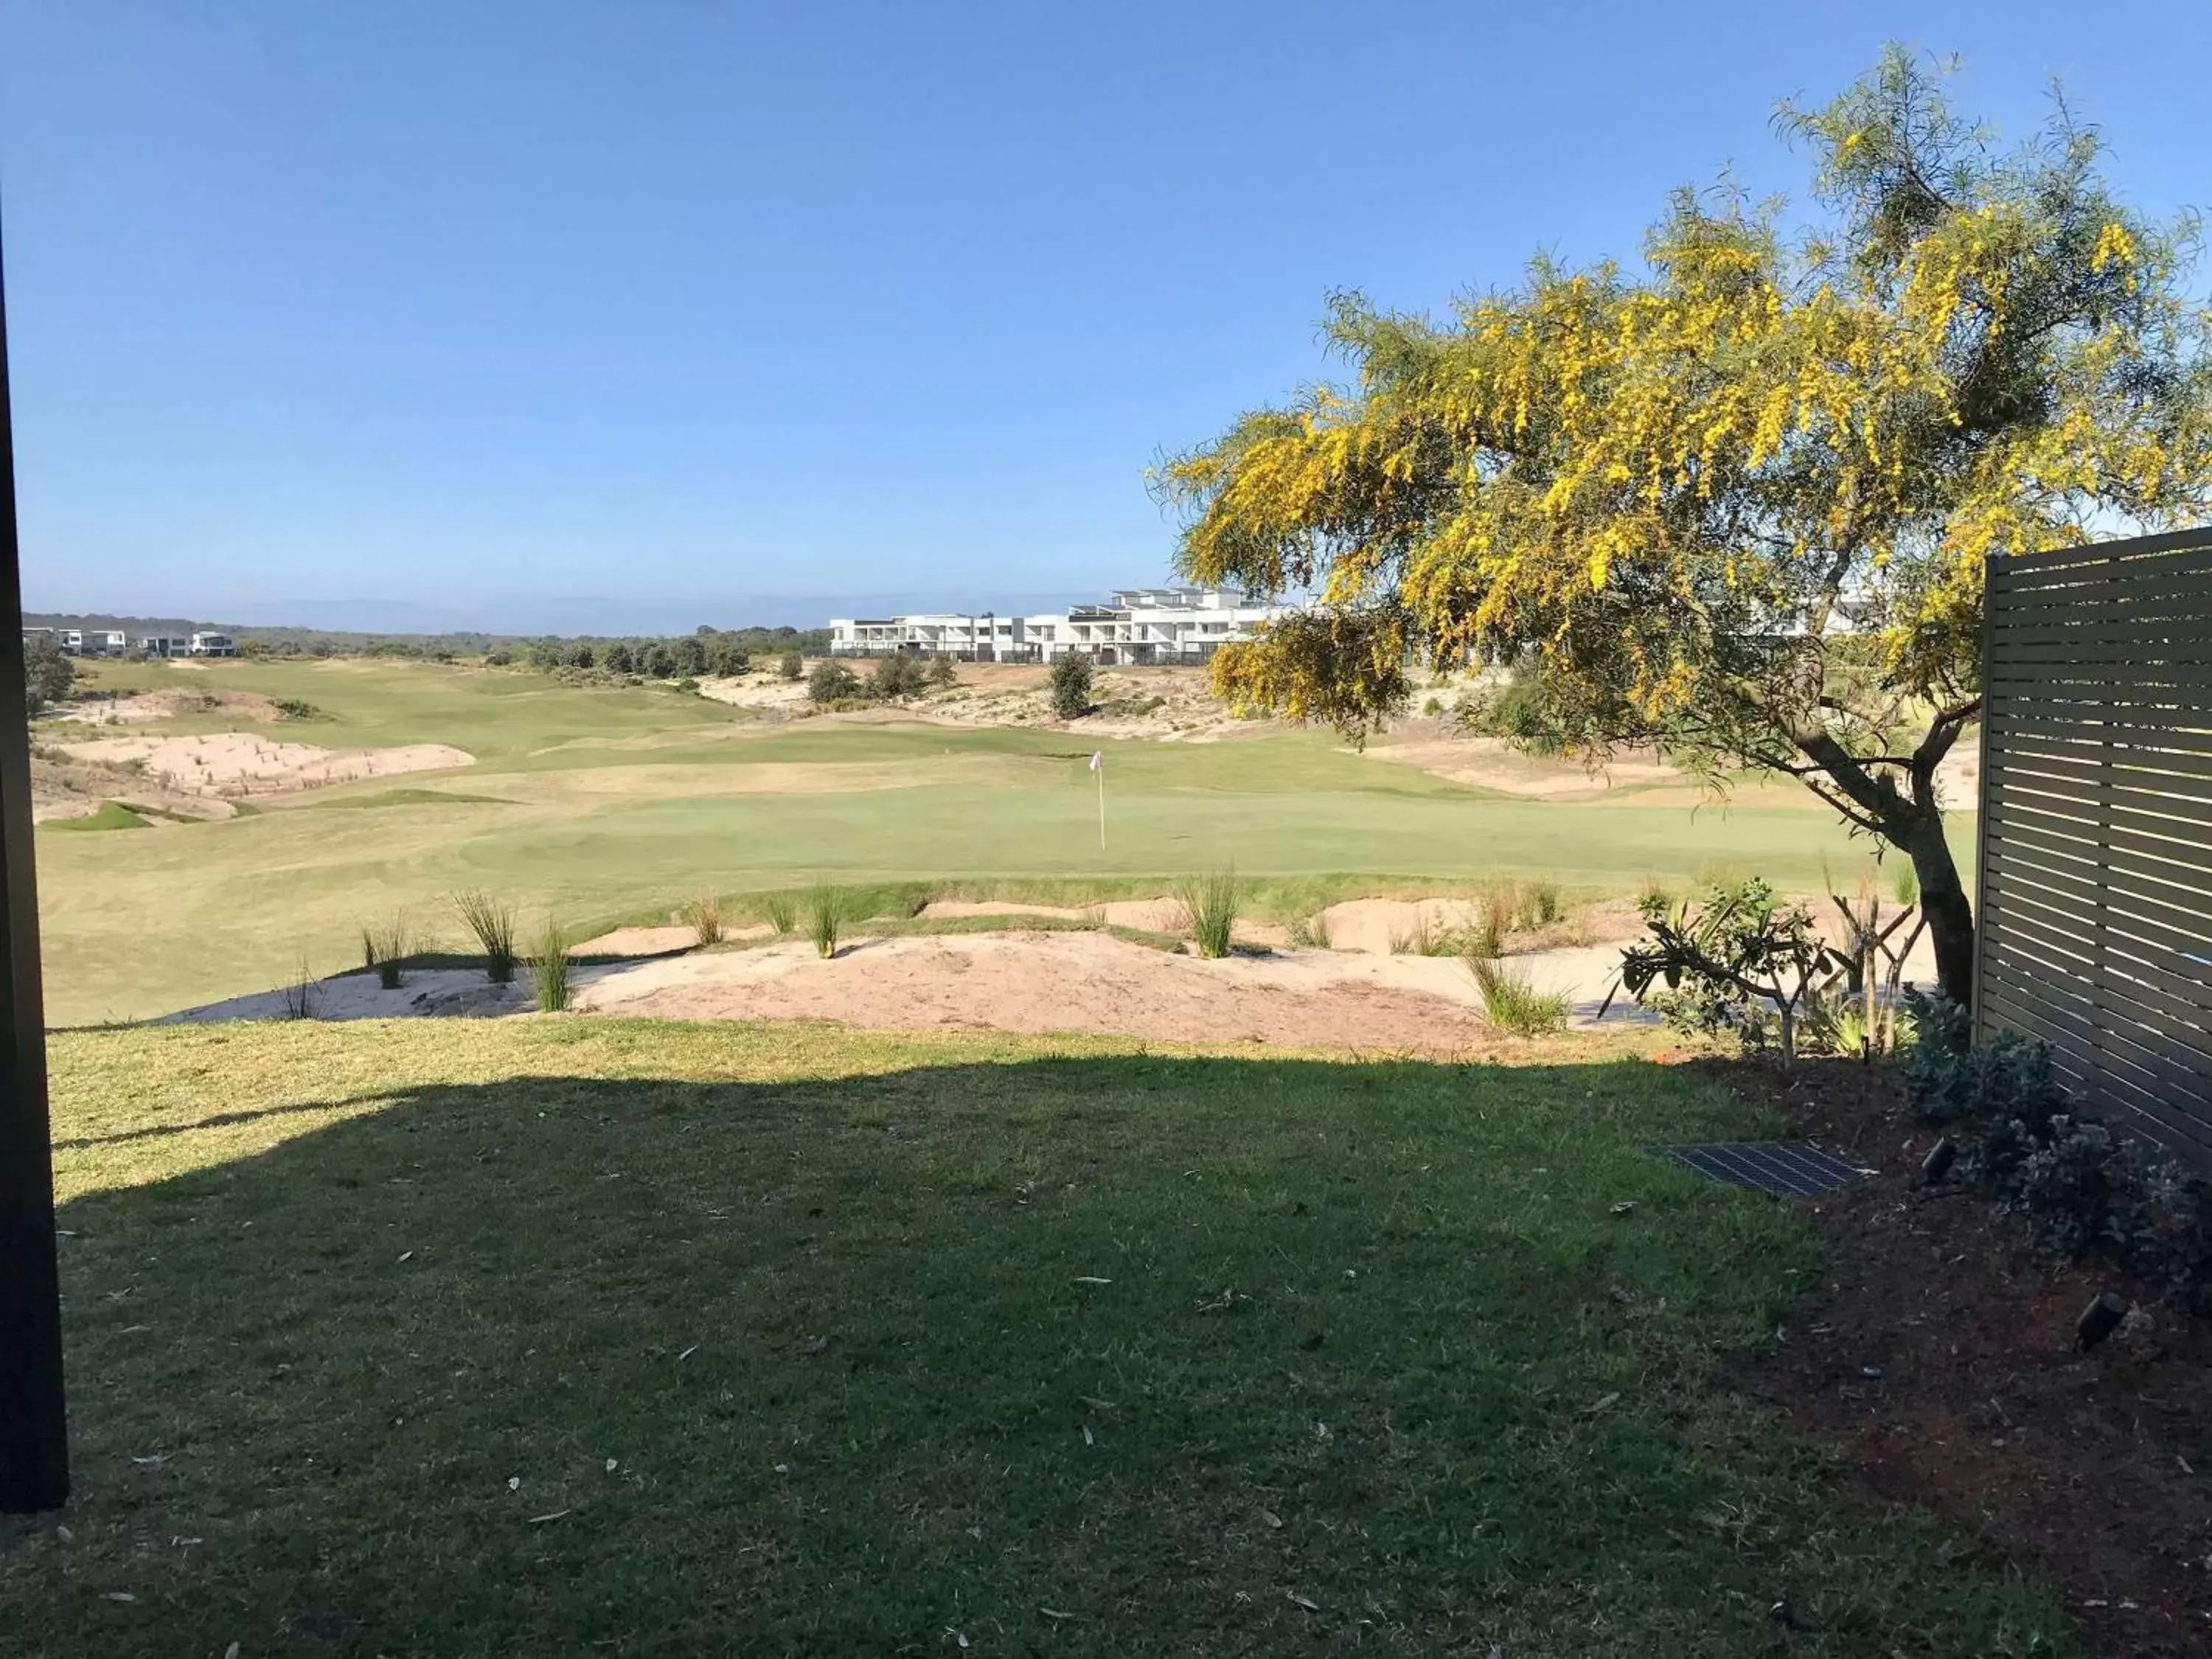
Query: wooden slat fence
{"x": 2096, "y": 825}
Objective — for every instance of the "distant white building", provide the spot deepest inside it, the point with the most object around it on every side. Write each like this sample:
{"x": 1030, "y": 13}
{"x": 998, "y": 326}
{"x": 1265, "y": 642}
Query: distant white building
{"x": 1138, "y": 625}
{"x": 165, "y": 644}
{"x": 212, "y": 645}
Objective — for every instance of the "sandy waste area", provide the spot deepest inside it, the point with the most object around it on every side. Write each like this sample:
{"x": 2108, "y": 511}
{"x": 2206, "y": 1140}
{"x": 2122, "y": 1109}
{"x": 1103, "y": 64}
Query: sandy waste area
{"x": 232, "y": 764}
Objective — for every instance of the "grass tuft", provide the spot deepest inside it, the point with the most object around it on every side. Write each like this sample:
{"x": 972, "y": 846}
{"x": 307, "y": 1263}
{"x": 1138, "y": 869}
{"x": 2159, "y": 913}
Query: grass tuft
{"x": 299, "y": 995}
{"x": 1512, "y": 1002}
{"x": 385, "y": 947}
{"x": 825, "y": 914}
{"x": 1209, "y": 907}
{"x": 703, "y": 914}
{"x": 548, "y": 967}
{"x": 492, "y": 921}
{"x": 779, "y": 910}
{"x": 1309, "y": 932}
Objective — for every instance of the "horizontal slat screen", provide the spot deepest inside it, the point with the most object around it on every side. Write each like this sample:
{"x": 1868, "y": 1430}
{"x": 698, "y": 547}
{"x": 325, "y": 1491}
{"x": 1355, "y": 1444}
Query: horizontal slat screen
{"x": 2096, "y": 832}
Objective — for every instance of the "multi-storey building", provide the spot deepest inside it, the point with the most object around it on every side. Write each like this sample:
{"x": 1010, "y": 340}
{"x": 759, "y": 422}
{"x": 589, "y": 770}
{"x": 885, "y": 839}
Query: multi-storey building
{"x": 1161, "y": 625}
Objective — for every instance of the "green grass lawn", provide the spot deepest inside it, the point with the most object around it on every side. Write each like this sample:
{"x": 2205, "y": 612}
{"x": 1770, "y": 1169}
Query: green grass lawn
{"x": 580, "y": 1335}
{"x": 607, "y": 804}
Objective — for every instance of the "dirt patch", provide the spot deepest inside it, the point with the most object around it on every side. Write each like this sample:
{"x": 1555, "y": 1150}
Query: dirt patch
{"x": 1086, "y": 982}
{"x": 234, "y": 764}
{"x": 1937, "y": 1360}
{"x": 658, "y": 941}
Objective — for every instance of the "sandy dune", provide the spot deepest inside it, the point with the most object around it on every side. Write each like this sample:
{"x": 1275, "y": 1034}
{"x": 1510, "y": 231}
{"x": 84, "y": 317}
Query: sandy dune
{"x": 234, "y": 764}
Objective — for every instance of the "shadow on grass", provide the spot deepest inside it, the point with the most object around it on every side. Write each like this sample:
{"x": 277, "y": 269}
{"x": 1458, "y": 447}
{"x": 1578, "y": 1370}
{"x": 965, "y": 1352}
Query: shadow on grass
{"x": 1123, "y": 1354}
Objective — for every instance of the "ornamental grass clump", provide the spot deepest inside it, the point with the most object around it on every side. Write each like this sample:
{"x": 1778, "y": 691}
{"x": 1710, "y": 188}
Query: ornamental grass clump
{"x": 550, "y": 968}
{"x": 703, "y": 914}
{"x": 385, "y": 946}
{"x": 1511, "y": 1002}
{"x": 825, "y": 916}
{"x": 1209, "y": 906}
{"x": 780, "y": 911}
{"x": 492, "y": 921}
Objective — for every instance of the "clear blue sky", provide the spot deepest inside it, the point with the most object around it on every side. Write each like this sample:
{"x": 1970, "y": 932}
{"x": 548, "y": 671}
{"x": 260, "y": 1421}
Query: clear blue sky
{"x": 546, "y": 314}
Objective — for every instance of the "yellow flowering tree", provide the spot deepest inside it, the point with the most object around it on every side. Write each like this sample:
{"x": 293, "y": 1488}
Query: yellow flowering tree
{"x": 1736, "y": 502}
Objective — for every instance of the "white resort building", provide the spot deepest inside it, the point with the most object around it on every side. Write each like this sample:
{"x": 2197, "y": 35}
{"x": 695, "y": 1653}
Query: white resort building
{"x": 1159, "y": 625}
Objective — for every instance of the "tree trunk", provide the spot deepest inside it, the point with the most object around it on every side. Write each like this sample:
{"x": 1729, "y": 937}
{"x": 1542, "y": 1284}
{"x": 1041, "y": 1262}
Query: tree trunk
{"x": 1944, "y": 903}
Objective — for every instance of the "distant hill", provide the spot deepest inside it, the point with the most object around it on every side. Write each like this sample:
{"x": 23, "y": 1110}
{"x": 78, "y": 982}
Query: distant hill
{"x": 339, "y": 642}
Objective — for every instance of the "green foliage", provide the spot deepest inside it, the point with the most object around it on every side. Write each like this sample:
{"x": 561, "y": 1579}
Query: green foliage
{"x": 48, "y": 675}
{"x": 550, "y": 968}
{"x": 831, "y": 682}
{"x": 1742, "y": 964}
{"x": 791, "y": 666}
{"x": 1539, "y": 904}
{"x": 1210, "y": 903}
{"x": 1511, "y": 1000}
{"x": 1309, "y": 932}
{"x": 1071, "y": 686}
{"x": 492, "y": 922}
{"x": 942, "y": 674}
{"x": 298, "y": 708}
{"x": 620, "y": 658}
{"x": 897, "y": 677}
{"x": 779, "y": 910}
{"x": 826, "y": 911}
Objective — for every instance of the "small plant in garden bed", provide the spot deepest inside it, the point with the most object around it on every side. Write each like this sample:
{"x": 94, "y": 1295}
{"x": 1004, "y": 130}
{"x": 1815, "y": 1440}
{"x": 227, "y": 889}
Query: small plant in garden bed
{"x": 1742, "y": 963}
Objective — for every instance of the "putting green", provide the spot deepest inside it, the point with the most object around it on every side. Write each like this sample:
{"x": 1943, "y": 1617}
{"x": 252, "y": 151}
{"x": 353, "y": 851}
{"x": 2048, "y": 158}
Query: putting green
{"x": 602, "y": 804}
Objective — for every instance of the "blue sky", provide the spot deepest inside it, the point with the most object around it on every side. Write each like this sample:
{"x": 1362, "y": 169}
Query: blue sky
{"x": 557, "y": 315}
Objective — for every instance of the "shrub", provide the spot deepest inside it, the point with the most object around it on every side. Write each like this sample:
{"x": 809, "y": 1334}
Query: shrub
{"x": 1494, "y": 918}
{"x": 1310, "y": 932}
{"x": 1749, "y": 962}
{"x": 385, "y": 946}
{"x": 896, "y": 676}
{"x": 688, "y": 685}
{"x": 548, "y": 967}
{"x": 1071, "y": 686}
{"x": 298, "y": 708}
{"x": 825, "y": 914}
{"x": 498, "y": 657}
{"x": 831, "y": 682}
{"x": 47, "y": 674}
{"x": 581, "y": 656}
{"x": 780, "y": 911}
{"x": 657, "y": 662}
{"x": 492, "y": 921}
{"x": 1512, "y": 1002}
{"x": 1209, "y": 908}
{"x": 791, "y": 666}
{"x": 942, "y": 672}
{"x": 703, "y": 914}
{"x": 620, "y": 658}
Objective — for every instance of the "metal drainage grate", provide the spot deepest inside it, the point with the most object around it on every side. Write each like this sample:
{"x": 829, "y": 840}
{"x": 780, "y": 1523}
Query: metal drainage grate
{"x": 1786, "y": 1168}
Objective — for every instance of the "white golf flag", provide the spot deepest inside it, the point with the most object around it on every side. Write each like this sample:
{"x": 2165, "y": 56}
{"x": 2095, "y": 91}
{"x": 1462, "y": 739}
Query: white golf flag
{"x": 1097, "y": 761}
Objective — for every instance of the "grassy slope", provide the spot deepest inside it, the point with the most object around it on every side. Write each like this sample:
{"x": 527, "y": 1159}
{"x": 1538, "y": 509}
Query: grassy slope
{"x": 607, "y": 803}
{"x": 788, "y": 1333}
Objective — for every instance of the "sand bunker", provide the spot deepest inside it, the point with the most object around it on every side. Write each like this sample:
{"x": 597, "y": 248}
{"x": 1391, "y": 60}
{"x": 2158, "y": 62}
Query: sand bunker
{"x": 146, "y": 708}
{"x": 231, "y": 764}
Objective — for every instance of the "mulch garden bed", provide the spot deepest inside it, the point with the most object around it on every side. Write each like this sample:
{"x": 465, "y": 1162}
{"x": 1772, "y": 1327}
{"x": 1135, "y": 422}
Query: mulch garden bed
{"x": 1938, "y": 1361}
